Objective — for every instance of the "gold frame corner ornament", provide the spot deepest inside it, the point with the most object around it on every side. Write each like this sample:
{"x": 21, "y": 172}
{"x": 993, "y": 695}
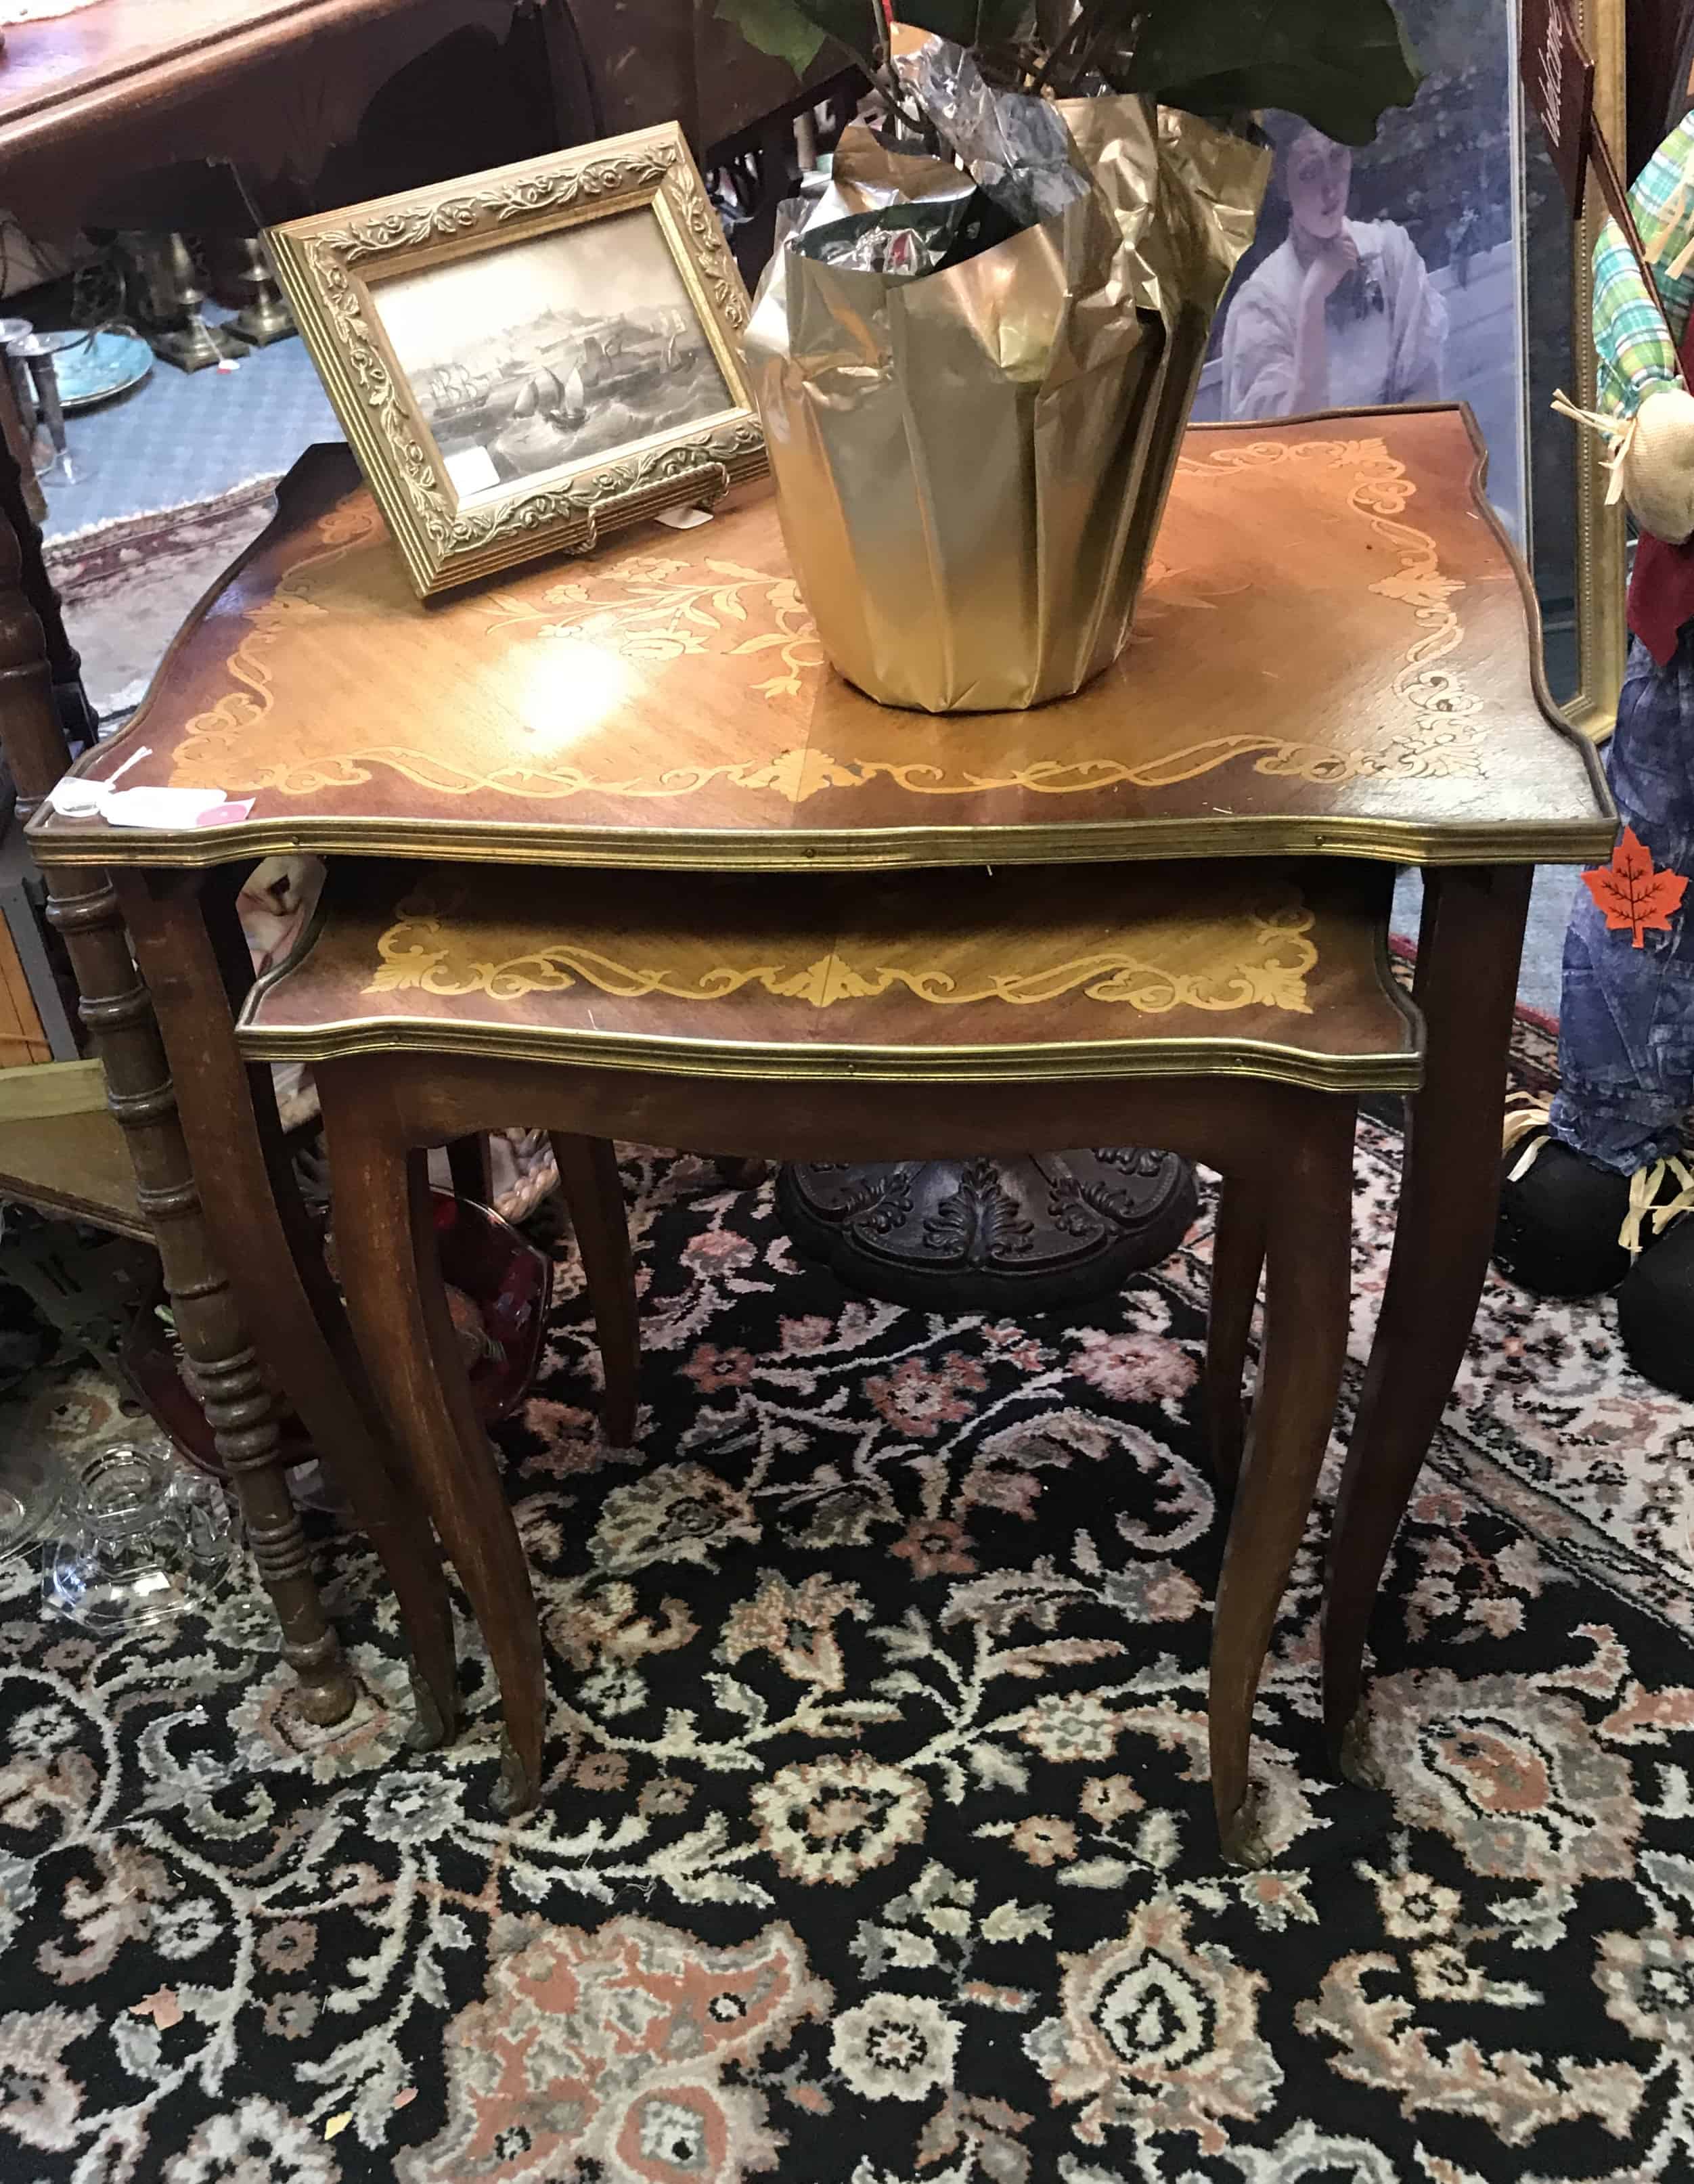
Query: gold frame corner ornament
{"x": 326, "y": 264}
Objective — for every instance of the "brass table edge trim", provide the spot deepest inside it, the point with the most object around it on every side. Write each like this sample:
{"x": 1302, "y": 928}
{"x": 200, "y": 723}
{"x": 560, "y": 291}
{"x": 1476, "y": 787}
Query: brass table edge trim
{"x": 728, "y": 849}
{"x": 1394, "y": 1072}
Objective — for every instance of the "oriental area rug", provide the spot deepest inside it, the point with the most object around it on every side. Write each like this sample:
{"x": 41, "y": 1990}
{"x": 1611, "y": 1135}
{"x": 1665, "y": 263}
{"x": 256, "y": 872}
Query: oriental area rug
{"x": 126, "y": 588}
{"x": 876, "y": 1845}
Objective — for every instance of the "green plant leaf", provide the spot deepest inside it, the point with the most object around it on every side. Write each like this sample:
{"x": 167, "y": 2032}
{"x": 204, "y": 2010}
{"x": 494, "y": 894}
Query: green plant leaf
{"x": 777, "y": 27}
{"x": 967, "y": 22}
{"x": 794, "y": 30}
{"x": 851, "y": 23}
{"x": 1337, "y": 62}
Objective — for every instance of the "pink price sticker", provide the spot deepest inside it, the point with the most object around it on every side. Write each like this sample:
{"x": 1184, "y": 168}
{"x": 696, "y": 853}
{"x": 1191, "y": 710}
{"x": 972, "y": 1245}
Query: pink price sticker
{"x": 226, "y": 815}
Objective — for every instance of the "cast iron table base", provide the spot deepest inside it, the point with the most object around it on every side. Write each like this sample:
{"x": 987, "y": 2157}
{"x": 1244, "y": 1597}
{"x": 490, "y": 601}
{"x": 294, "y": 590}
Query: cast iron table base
{"x": 1038, "y": 1232}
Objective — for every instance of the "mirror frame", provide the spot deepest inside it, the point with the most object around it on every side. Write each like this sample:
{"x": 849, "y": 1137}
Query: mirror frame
{"x": 1602, "y": 635}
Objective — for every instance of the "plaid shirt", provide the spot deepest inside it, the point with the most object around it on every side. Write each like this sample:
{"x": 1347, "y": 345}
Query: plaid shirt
{"x": 1635, "y": 356}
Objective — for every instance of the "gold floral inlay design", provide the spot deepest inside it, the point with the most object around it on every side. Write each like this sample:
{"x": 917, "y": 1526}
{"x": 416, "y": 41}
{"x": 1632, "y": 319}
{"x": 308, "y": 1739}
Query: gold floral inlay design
{"x": 665, "y": 610}
{"x": 1260, "y": 960}
{"x": 649, "y": 610}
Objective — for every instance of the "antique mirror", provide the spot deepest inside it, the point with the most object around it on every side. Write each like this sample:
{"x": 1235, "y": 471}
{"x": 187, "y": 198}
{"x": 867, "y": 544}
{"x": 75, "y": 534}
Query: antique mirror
{"x": 1474, "y": 286}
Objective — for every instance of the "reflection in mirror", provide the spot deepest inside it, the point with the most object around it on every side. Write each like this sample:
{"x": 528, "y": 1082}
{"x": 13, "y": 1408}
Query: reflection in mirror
{"x": 1408, "y": 247}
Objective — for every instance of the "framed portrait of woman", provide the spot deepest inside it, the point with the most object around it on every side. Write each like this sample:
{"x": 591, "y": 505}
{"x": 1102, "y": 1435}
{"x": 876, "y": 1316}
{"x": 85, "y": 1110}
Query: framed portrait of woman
{"x": 1440, "y": 263}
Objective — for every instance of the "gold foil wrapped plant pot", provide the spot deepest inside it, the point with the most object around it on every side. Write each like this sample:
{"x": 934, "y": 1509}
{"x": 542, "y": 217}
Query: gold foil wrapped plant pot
{"x": 971, "y": 464}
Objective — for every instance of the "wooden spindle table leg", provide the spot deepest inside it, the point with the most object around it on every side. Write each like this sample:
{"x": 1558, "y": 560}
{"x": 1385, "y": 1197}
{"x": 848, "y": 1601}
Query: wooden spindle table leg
{"x": 190, "y": 949}
{"x": 115, "y": 1007}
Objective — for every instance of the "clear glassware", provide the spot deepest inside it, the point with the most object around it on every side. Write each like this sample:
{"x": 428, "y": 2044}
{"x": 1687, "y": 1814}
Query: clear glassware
{"x": 38, "y": 354}
{"x": 32, "y": 1483}
{"x": 150, "y": 1538}
{"x": 202, "y": 1503}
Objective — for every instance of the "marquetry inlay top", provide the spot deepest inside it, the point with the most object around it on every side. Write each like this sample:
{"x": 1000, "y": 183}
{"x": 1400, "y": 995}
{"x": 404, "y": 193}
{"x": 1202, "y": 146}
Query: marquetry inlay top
{"x": 1057, "y": 971}
{"x": 1333, "y": 654}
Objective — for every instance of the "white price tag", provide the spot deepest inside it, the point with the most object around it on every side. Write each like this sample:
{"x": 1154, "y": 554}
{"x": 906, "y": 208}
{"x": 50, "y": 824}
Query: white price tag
{"x": 472, "y": 471}
{"x": 161, "y": 807}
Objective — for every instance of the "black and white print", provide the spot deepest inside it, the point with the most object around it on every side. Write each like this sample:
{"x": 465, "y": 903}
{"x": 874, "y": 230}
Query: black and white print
{"x": 552, "y": 353}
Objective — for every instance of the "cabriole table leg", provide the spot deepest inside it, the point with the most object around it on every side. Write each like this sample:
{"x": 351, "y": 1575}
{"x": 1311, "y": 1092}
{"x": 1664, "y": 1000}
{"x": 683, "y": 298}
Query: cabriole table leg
{"x": 1467, "y": 955}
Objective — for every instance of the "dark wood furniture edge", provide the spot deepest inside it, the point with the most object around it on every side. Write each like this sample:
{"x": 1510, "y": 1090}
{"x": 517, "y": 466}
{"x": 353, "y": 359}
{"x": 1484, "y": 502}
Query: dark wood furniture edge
{"x": 236, "y": 46}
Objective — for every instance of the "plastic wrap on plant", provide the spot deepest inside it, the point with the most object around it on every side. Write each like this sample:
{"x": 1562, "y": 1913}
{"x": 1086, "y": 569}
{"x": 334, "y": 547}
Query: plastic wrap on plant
{"x": 907, "y": 239}
{"x": 971, "y": 466}
{"x": 1014, "y": 144}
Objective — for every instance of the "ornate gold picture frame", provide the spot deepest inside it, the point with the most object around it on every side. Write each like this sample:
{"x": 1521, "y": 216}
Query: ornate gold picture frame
{"x": 525, "y": 359}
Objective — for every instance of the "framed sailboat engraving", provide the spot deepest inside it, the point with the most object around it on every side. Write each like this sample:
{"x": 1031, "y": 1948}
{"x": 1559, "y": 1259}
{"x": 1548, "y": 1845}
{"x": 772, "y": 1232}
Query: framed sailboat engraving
{"x": 526, "y": 359}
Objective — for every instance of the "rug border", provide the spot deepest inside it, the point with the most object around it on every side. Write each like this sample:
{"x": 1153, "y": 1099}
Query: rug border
{"x": 94, "y": 537}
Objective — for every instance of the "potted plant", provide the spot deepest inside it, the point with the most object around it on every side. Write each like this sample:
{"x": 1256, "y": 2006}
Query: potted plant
{"x": 976, "y": 355}
{"x": 1339, "y": 63}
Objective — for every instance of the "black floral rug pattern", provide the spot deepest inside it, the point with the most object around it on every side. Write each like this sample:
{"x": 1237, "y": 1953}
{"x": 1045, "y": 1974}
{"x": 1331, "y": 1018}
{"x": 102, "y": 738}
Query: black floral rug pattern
{"x": 876, "y": 1845}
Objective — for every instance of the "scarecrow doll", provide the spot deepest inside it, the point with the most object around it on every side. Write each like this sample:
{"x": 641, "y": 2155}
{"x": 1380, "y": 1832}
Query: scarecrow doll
{"x": 1599, "y": 1187}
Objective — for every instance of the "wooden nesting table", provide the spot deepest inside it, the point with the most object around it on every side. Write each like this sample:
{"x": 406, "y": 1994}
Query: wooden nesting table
{"x": 1336, "y": 655}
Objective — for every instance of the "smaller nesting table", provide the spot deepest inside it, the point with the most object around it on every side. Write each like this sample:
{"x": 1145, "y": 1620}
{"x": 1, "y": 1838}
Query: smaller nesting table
{"x": 845, "y": 1013}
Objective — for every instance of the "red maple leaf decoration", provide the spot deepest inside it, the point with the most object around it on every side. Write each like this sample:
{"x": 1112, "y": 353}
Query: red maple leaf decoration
{"x": 1636, "y": 897}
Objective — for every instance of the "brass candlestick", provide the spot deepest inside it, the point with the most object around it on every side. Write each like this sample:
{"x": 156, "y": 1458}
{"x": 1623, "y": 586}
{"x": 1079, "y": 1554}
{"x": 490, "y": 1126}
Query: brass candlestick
{"x": 166, "y": 300}
{"x": 265, "y": 318}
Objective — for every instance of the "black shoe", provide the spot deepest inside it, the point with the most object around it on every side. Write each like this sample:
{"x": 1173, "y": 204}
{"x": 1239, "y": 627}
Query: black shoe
{"x": 1656, "y": 1312}
{"x": 1560, "y": 1219}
